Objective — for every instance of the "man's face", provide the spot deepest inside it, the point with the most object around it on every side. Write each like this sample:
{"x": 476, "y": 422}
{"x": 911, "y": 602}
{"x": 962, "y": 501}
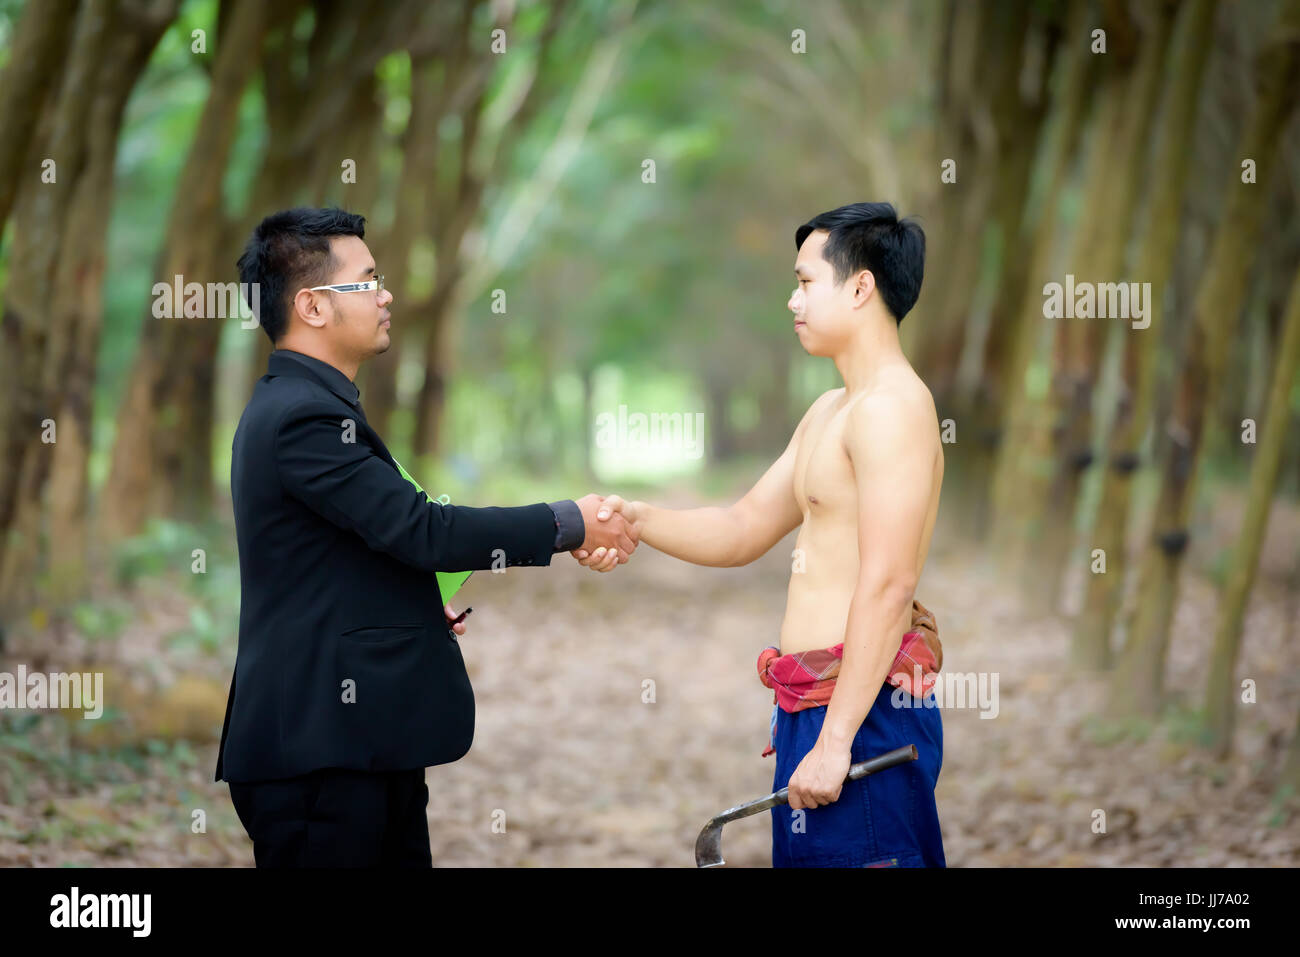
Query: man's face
{"x": 823, "y": 311}
{"x": 358, "y": 322}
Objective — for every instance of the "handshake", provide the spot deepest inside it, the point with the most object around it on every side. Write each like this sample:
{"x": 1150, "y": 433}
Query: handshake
{"x": 613, "y": 530}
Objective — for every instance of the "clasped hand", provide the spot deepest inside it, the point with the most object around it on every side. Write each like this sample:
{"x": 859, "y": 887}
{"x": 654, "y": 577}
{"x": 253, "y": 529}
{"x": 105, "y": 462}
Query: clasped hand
{"x": 613, "y": 531}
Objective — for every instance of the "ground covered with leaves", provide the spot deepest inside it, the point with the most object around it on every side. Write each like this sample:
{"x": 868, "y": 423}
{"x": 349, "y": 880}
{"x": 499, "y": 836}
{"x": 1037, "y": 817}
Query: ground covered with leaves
{"x": 616, "y": 713}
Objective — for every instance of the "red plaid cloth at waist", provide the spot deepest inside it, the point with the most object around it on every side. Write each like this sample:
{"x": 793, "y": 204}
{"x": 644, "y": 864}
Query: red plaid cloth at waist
{"x": 806, "y": 679}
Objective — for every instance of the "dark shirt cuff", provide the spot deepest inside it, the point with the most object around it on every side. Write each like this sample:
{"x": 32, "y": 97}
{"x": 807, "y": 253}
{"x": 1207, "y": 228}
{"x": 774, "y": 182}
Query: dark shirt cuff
{"x": 570, "y": 530}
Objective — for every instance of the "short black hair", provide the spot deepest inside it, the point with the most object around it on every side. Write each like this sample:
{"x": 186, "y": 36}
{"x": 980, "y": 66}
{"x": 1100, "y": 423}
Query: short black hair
{"x": 871, "y": 236}
{"x": 288, "y": 250}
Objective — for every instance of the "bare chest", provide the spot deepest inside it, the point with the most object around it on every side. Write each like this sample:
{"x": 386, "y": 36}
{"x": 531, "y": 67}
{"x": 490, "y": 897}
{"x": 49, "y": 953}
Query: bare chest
{"x": 823, "y": 474}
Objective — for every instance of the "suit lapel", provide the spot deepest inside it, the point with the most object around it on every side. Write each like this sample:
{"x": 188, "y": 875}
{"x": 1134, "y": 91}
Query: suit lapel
{"x": 283, "y": 365}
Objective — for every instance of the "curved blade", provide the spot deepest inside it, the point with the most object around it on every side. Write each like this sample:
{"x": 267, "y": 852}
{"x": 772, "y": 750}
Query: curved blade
{"x": 708, "y": 846}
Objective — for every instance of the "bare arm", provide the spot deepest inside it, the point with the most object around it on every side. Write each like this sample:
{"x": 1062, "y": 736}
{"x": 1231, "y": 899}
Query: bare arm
{"x": 725, "y": 536}
{"x": 895, "y": 477}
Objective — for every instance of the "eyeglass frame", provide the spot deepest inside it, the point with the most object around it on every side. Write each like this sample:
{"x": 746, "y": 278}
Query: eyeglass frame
{"x": 376, "y": 285}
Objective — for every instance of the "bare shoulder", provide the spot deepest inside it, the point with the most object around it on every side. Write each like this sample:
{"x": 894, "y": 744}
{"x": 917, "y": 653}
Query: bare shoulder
{"x": 899, "y": 411}
{"x": 827, "y": 398}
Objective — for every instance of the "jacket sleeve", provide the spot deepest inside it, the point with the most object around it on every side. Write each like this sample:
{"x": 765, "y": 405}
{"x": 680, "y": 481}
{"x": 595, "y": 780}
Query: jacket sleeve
{"x": 348, "y": 484}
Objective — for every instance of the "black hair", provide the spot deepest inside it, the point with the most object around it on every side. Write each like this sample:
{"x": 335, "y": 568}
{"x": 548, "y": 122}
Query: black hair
{"x": 871, "y": 236}
{"x": 288, "y": 250}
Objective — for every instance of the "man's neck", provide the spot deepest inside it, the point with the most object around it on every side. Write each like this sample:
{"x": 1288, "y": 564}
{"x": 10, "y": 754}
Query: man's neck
{"x": 874, "y": 348}
{"x": 348, "y": 368}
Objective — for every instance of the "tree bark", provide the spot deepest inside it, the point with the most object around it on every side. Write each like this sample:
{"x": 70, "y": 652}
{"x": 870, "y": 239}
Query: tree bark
{"x": 1138, "y": 683}
{"x": 1013, "y": 323}
{"x": 162, "y": 456}
{"x": 1090, "y": 643}
{"x": 981, "y": 109}
{"x": 78, "y": 309}
{"x": 42, "y": 213}
{"x": 171, "y": 392}
{"x": 1007, "y": 356}
{"x": 433, "y": 390}
{"x": 1220, "y": 691}
{"x": 1024, "y": 469}
{"x": 1103, "y": 243}
{"x": 456, "y": 202}
{"x": 36, "y": 59}
{"x": 419, "y": 151}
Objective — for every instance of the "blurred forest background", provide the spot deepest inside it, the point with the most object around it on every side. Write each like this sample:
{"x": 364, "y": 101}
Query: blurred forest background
{"x": 583, "y": 205}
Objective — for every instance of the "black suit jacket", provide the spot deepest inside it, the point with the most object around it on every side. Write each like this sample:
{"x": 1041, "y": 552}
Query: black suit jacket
{"x": 345, "y": 657}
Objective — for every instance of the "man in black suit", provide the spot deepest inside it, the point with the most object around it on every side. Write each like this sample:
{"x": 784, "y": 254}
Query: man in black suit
{"x": 348, "y": 680}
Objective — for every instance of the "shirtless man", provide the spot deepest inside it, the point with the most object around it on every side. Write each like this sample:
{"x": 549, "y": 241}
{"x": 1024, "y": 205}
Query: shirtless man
{"x": 860, "y": 478}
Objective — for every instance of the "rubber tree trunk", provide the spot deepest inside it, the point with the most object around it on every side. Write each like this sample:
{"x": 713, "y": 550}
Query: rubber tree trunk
{"x": 1007, "y": 136}
{"x": 177, "y": 365}
{"x": 358, "y": 141}
{"x": 1138, "y": 684}
{"x": 340, "y": 73}
{"x": 78, "y": 313}
{"x": 1018, "y": 307}
{"x": 1008, "y": 355}
{"x": 1220, "y": 691}
{"x": 457, "y": 205}
{"x": 1035, "y": 485}
{"x": 433, "y": 390}
{"x": 162, "y": 454}
{"x": 1024, "y": 465}
{"x": 1010, "y": 113}
{"x": 1103, "y": 591}
{"x": 36, "y": 58}
{"x": 1101, "y": 258}
{"x": 1017, "y": 119}
{"x": 32, "y": 346}
{"x": 954, "y": 252}
{"x": 419, "y": 150}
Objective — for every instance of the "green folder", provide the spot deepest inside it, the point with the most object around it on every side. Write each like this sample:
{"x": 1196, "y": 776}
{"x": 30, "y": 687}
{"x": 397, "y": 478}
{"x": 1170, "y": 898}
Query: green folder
{"x": 448, "y": 582}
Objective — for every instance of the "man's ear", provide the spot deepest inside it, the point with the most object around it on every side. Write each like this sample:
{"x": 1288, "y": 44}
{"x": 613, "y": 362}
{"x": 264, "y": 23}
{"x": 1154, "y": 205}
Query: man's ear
{"x": 308, "y": 309}
{"x": 864, "y": 284}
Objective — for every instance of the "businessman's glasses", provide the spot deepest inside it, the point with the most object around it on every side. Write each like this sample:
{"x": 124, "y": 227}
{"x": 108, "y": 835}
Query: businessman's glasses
{"x": 375, "y": 285}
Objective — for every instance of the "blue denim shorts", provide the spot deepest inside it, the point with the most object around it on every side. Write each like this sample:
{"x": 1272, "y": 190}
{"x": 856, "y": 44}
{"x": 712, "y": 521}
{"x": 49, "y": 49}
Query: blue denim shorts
{"x": 887, "y": 819}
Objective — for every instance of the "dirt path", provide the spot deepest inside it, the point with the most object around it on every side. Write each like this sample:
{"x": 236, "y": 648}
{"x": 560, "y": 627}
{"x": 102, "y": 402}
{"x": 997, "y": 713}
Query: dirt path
{"x": 582, "y": 771}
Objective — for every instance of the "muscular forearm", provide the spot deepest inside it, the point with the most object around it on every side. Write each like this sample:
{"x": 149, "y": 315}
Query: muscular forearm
{"x": 702, "y": 536}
